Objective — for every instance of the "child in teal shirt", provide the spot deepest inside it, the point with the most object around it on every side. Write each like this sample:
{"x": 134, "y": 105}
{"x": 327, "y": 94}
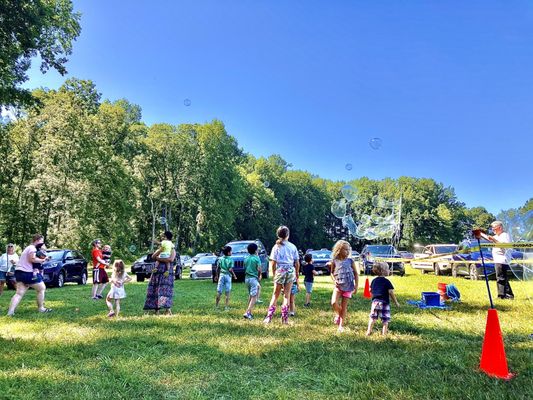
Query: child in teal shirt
{"x": 225, "y": 265}
{"x": 252, "y": 264}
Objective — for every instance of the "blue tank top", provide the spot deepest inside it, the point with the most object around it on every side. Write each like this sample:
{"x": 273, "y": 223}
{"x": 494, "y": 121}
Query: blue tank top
{"x": 344, "y": 275}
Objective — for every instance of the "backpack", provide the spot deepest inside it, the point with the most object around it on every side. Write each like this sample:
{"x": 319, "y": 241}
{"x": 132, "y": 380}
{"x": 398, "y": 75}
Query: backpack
{"x": 452, "y": 292}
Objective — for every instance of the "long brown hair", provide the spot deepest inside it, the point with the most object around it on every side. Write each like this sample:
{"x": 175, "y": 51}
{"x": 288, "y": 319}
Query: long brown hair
{"x": 283, "y": 234}
{"x": 118, "y": 269}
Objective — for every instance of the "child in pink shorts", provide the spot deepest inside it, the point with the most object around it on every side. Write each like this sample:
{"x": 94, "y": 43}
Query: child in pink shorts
{"x": 346, "y": 280}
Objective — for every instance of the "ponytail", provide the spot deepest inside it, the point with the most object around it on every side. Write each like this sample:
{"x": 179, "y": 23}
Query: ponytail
{"x": 283, "y": 234}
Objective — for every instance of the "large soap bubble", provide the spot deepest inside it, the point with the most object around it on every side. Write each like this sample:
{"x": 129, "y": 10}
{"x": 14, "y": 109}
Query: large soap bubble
{"x": 349, "y": 192}
{"x": 163, "y": 221}
{"x": 348, "y": 167}
{"x": 348, "y": 222}
{"x": 375, "y": 143}
{"x": 266, "y": 184}
{"x": 187, "y": 102}
{"x": 338, "y": 208}
{"x": 132, "y": 248}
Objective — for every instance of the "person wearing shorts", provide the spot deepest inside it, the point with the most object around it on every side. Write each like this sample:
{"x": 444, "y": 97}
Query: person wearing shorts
{"x": 252, "y": 264}
{"x": 285, "y": 264}
{"x": 26, "y": 279}
{"x": 225, "y": 265}
{"x": 100, "y": 278}
{"x": 309, "y": 278}
{"x": 382, "y": 291}
{"x": 8, "y": 260}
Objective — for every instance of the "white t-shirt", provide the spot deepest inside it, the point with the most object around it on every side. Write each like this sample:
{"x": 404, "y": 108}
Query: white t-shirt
{"x": 502, "y": 256}
{"x": 4, "y": 266}
{"x": 284, "y": 255}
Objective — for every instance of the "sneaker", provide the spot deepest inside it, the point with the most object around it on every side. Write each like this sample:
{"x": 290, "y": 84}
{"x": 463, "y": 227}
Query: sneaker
{"x": 248, "y": 316}
{"x": 267, "y": 320}
{"x": 111, "y": 314}
{"x": 340, "y": 329}
{"x": 95, "y": 298}
{"x": 292, "y": 314}
{"x": 336, "y": 320}
{"x": 307, "y": 304}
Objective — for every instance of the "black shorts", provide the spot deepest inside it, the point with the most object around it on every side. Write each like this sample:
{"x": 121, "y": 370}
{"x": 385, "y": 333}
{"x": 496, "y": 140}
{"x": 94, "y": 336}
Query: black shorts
{"x": 100, "y": 276}
{"x": 27, "y": 277}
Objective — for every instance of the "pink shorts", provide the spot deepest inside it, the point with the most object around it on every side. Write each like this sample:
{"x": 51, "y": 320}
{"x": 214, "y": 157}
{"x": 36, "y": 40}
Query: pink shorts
{"x": 346, "y": 293}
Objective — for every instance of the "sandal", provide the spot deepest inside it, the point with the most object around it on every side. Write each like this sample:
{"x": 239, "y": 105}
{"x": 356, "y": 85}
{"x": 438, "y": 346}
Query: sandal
{"x": 46, "y": 310}
{"x": 111, "y": 314}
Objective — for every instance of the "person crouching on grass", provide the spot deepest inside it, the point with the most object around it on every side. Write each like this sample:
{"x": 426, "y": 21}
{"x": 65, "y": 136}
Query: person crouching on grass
{"x": 225, "y": 265}
{"x": 252, "y": 264}
{"x": 381, "y": 289}
{"x": 118, "y": 279}
{"x": 346, "y": 279}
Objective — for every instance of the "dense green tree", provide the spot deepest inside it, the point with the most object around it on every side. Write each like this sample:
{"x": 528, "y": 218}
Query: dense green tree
{"x": 30, "y": 28}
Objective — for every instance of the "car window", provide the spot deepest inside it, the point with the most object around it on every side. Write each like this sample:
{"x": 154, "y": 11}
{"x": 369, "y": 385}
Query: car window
{"x": 445, "y": 249}
{"x": 239, "y": 247}
{"x": 207, "y": 260}
{"x": 321, "y": 255}
{"x": 56, "y": 255}
{"x": 381, "y": 250}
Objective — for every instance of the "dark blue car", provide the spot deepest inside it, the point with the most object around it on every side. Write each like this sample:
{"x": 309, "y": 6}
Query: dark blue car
{"x": 472, "y": 266}
{"x": 239, "y": 250}
{"x": 65, "y": 265}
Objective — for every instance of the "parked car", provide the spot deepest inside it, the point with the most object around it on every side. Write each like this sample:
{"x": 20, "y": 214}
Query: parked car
{"x": 203, "y": 268}
{"x": 143, "y": 266}
{"x": 472, "y": 266}
{"x": 320, "y": 259}
{"x": 186, "y": 261}
{"x": 439, "y": 265}
{"x": 65, "y": 265}
{"x": 355, "y": 255}
{"x": 197, "y": 256}
{"x": 406, "y": 255}
{"x": 372, "y": 251}
{"x": 239, "y": 250}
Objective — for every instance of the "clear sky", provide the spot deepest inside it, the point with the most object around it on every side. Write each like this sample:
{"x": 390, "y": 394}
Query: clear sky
{"x": 446, "y": 85}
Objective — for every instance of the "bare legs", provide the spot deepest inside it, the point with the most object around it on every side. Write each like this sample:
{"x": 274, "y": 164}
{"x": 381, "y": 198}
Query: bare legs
{"x": 40, "y": 288}
{"x": 340, "y": 310}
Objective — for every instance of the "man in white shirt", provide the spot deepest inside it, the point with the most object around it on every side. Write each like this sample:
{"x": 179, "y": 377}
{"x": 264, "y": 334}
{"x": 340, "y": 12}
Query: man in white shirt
{"x": 7, "y": 262}
{"x": 502, "y": 258}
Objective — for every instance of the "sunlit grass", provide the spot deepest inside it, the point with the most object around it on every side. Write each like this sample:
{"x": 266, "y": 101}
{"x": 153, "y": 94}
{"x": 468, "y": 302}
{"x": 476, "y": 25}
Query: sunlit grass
{"x": 76, "y": 352}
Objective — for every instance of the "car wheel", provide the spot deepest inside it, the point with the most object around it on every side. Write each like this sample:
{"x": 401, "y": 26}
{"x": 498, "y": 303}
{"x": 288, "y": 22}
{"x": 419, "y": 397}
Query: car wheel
{"x": 83, "y": 279}
{"x": 140, "y": 277}
{"x": 60, "y": 282}
{"x": 423, "y": 271}
{"x": 436, "y": 269}
{"x": 474, "y": 275}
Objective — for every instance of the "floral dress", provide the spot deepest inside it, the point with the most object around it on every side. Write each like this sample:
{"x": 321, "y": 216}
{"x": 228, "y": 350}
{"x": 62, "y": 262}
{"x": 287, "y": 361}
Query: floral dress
{"x": 160, "y": 291}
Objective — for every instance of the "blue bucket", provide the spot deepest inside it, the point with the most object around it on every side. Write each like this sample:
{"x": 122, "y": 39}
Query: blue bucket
{"x": 431, "y": 298}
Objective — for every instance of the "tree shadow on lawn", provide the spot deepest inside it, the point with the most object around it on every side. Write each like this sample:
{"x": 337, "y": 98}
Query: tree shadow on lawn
{"x": 210, "y": 359}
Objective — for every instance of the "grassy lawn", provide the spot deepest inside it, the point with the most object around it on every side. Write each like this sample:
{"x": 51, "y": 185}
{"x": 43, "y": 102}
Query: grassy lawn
{"x": 76, "y": 352}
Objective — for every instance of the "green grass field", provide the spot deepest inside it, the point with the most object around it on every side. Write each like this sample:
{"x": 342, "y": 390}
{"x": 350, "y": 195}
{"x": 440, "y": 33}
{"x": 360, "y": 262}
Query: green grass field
{"x": 76, "y": 352}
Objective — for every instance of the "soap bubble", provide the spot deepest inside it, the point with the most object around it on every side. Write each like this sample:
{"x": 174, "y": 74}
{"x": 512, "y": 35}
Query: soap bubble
{"x": 338, "y": 208}
{"x": 187, "y": 102}
{"x": 266, "y": 184}
{"x": 348, "y": 222}
{"x": 348, "y": 166}
{"x": 132, "y": 248}
{"x": 375, "y": 143}
{"x": 349, "y": 192}
{"x": 163, "y": 221}
{"x": 371, "y": 234}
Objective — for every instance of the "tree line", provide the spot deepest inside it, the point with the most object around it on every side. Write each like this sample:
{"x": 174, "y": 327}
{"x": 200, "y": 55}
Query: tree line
{"x": 75, "y": 168}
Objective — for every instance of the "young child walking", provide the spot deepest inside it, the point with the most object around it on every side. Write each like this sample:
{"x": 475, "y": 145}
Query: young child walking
{"x": 119, "y": 278}
{"x": 285, "y": 265}
{"x": 346, "y": 279}
{"x": 225, "y": 265}
{"x": 252, "y": 264}
{"x": 382, "y": 289}
{"x": 309, "y": 278}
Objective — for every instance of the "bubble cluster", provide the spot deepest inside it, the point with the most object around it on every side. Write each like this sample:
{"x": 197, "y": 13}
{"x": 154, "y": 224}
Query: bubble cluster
{"x": 349, "y": 192}
{"x": 187, "y": 102}
{"x": 338, "y": 208}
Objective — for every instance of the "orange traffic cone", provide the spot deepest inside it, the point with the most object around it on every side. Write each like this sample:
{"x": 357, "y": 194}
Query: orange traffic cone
{"x": 367, "y": 293}
{"x": 493, "y": 361}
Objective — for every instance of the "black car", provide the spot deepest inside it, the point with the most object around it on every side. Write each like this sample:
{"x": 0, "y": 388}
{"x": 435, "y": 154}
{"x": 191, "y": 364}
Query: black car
{"x": 320, "y": 259}
{"x": 372, "y": 251}
{"x": 239, "y": 250}
{"x": 65, "y": 265}
{"x": 144, "y": 266}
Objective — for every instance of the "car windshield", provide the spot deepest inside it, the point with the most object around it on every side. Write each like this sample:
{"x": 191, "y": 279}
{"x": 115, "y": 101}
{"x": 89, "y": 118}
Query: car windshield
{"x": 239, "y": 247}
{"x": 321, "y": 255}
{"x": 445, "y": 249}
{"x": 56, "y": 255}
{"x": 207, "y": 260}
{"x": 381, "y": 249}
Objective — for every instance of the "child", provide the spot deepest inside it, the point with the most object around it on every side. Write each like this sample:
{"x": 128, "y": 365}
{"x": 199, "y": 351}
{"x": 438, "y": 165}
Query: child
{"x": 119, "y": 277}
{"x": 381, "y": 290}
{"x": 294, "y": 291}
{"x": 225, "y": 265}
{"x": 164, "y": 252}
{"x": 41, "y": 254}
{"x": 309, "y": 278}
{"x": 106, "y": 254}
{"x": 346, "y": 279}
{"x": 252, "y": 264}
{"x": 285, "y": 265}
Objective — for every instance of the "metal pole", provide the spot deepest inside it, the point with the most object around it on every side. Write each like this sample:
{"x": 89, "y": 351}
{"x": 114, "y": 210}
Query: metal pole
{"x": 485, "y": 272}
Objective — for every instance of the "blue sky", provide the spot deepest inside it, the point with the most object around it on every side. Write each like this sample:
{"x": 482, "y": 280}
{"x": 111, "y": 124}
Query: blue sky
{"x": 446, "y": 85}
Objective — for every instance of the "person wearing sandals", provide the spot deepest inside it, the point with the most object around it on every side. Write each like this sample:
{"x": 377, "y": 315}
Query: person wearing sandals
{"x": 26, "y": 279}
{"x": 285, "y": 264}
{"x": 119, "y": 278}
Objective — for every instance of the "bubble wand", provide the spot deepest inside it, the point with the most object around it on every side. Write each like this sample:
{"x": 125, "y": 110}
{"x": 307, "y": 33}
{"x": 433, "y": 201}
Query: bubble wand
{"x": 477, "y": 234}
